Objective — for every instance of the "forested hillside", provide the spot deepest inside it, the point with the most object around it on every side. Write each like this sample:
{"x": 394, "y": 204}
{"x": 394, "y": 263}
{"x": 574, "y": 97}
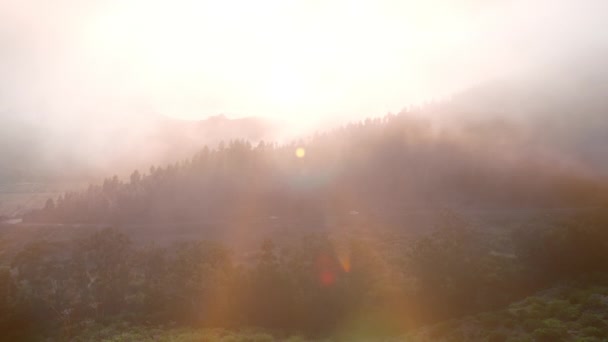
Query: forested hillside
{"x": 345, "y": 265}
{"x": 346, "y": 287}
{"x": 378, "y": 166}
{"x": 303, "y": 171}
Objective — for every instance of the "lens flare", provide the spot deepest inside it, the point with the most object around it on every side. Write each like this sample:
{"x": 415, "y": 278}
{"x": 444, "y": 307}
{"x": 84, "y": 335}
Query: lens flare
{"x": 327, "y": 278}
{"x": 344, "y": 262}
{"x": 300, "y": 152}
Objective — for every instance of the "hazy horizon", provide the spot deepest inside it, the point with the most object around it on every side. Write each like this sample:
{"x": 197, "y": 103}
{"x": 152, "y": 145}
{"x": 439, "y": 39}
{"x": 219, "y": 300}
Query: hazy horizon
{"x": 104, "y": 74}
{"x": 298, "y": 61}
{"x": 303, "y": 170}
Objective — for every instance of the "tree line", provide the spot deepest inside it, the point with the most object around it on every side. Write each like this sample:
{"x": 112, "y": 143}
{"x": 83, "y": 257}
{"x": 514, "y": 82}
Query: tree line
{"x": 377, "y": 165}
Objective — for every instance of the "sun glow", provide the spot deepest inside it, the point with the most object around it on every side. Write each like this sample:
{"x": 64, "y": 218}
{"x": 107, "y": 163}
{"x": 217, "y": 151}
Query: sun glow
{"x": 270, "y": 58}
{"x": 300, "y": 152}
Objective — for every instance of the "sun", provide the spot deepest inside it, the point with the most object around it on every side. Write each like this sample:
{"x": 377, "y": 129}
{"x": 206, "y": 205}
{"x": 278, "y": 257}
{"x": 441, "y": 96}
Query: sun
{"x": 286, "y": 86}
{"x": 282, "y": 59}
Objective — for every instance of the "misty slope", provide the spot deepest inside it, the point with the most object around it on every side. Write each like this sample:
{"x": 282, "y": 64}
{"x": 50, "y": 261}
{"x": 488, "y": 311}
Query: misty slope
{"x": 560, "y": 109}
{"x": 536, "y": 141}
{"x": 90, "y": 147}
{"x": 378, "y": 167}
{"x": 19, "y": 148}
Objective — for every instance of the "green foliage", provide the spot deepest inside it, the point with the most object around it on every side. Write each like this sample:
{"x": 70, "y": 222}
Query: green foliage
{"x": 544, "y": 317}
{"x": 497, "y": 336}
{"x": 577, "y": 248}
{"x": 562, "y": 309}
{"x": 548, "y": 334}
{"x": 296, "y": 338}
{"x": 594, "y": 332}
{"x": 116, "y": 333}
{"x": 592, "y": 320}
{"x": 491, "y": 320}
{"x": 531, "y": 324}
{"x": 352, "y": 288}
{"x": 587, "y": 339}
{"x": 520, "y": 339}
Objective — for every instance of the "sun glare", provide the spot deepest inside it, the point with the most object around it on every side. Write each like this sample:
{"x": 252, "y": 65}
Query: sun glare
{"x": 273, "y": 58}
{"x": 300, "y": 152}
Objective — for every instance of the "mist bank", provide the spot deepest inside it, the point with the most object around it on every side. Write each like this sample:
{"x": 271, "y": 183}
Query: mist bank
{"x": 555, "y": 114}
{"x": 379, "y": 169}
{"x": 89, "y": 148}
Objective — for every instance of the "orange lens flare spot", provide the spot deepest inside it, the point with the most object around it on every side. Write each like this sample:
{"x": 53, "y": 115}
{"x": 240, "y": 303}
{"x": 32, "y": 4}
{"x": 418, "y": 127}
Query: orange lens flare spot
{"x": 345, "y": 262}
{"x": 300, "y": 152}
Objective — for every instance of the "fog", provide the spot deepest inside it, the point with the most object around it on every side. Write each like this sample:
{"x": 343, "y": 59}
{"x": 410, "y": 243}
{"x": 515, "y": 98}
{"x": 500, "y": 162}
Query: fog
{"x": 303, "y": 170}
{"x": 94, "y": 83}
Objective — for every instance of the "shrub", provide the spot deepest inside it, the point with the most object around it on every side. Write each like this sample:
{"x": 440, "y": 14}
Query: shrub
{"x": 442, "y": 329}
{"x": 497, "y": 336}
{"x": 594, "y": 302}
{"x": 594, "y": 332}
{"x": 261, "y": 337}
{"x": 232, "y": 338}
{"x": 490, "y": 320}
{"x": 578, "y": 297}
{"x": 574, "y": 325}
{"x": 570, "y": 313}
{"x": 555, "y": 306}
{"x": 554, "y": 323}
{"x": 546, "y": 334}
{"x": 456, "y": 336}
{"x": 520, "y": 339}
{"x": 588, "y": 339}
{"x": 591, "y": 320}
{"x": 536, "y": 311}
{"x": 531, "y": 324}
{"x": 509, "y": 323}
{"x": 590, "y": 331}
{"x": 563, "y": 310}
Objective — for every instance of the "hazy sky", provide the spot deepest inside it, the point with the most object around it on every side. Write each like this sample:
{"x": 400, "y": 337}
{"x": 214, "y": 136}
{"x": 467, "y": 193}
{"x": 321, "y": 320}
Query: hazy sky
{"x": 296, "y": 60}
